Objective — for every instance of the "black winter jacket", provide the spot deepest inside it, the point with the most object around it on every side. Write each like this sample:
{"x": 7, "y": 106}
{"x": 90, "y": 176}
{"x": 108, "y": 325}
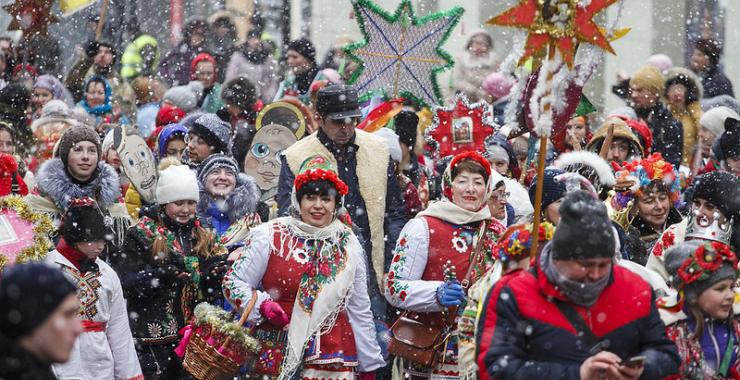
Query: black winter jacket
{"x": 159, "y": 302}
{"x": 715, "y": 83}
{"x": 523, "y": 335}
{"x": 19, "y": 364}
{"x": 667, "y": 132}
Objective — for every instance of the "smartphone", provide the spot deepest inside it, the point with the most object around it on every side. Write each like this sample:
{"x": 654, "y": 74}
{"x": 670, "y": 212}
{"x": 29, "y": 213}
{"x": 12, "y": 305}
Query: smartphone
{"x": 635, "y": 362}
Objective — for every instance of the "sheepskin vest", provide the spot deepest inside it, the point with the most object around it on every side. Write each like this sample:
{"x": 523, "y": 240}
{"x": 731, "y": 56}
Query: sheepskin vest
{"x": 372, "y": 167}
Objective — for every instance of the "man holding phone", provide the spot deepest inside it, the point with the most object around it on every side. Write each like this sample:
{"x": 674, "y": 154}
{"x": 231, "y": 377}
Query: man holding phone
{"x": 574, "y": 314}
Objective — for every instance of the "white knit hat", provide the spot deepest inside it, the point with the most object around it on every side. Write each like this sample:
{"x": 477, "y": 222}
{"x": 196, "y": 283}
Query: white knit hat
{"x": 177, "y": 183}
{"x": 714, "y": 119}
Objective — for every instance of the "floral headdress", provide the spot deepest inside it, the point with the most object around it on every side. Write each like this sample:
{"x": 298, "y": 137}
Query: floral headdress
{"x": 517, "y": 241}
{"x": 319, "y": 168}
{"x": 637, "y": 177}
{"x": 704, "y": 261}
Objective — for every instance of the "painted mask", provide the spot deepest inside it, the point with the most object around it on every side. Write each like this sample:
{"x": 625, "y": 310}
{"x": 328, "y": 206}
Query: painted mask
{"x": 263, "y": 161}
{"x": 137, "y": 161}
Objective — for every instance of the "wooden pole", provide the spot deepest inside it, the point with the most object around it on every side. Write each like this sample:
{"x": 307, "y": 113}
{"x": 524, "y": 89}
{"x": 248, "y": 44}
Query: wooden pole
{"x": 541, "y": 161}
{"x": 101, "y": 23}
{"x": 604, "y": 152}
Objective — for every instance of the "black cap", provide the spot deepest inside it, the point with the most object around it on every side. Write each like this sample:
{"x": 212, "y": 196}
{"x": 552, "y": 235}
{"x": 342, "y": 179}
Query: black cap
{"x": 338, "y": 102}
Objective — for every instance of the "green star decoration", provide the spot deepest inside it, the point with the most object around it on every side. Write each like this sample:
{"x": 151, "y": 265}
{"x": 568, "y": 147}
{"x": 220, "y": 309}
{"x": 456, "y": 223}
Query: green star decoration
{"x": 401, "y": 55}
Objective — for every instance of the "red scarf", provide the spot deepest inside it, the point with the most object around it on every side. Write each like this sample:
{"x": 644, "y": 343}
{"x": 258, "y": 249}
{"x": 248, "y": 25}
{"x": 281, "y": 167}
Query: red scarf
{"x": 73, "y": 255}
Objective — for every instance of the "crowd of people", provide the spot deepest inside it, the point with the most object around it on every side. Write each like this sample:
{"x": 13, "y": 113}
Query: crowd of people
{"x": 364, "y": 254}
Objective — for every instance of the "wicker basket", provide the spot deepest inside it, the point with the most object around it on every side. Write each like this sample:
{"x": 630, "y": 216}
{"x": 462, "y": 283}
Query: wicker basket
{"x": 204, "y": 362}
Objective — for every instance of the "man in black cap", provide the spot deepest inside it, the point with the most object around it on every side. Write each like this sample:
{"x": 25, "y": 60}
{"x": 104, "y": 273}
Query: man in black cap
{"x": 575, "y": 315}
{"x": 363, "y": 162}
{"x": 39, "y": 321}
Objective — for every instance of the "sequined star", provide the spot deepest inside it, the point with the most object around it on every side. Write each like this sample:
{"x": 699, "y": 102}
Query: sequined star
{"x": 31, "y": 16}
{"x": 401, "y": 54}
{"x": 559, "y": 23}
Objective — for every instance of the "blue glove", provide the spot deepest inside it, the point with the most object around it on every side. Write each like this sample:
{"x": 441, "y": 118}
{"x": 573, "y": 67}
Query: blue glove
{"x": 450, "y": 294}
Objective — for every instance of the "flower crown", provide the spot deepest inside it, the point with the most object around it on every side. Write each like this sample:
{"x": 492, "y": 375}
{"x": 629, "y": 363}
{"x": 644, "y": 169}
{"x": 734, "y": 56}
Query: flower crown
{"x": 634, "y": 178}
{"x": 517, "y": 241}
{"x": 321, "y": 175}
{"x": 705, "y": 260}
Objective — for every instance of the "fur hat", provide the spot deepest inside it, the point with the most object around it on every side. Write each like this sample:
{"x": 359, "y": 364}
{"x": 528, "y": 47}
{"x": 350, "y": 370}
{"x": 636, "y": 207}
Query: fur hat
{"x": 687, "y": 78}
{"x": 584, "y": 231}
{"x": 710, "y": 48}
{"x": 621, "y": 130}
{"x": 695, "y": 265}
{"x": 214, "y": 162}
{"x": 29, "y": 294}
{"x": 214, "y": 131}
{"x": 714, "y": 119}
{"x": 240, "y": 92}
{"x": 303, "y": 47}
{"x": 721, "y": 189}
{"x": 83, "y": 221}
{"x": 72, "y": 136}
{"x": 650, "y": 78}
{"x": 176, "y": 183}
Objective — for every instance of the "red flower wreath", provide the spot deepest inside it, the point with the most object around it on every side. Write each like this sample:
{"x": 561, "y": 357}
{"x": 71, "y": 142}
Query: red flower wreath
{"x": 706, "y": 259}
{"x": 471, "y": 155}
{"x": 321, "y": 175}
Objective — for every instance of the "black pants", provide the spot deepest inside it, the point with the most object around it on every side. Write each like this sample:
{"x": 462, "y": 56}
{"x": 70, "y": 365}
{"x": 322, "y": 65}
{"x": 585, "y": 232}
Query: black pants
{"x": 159, "y": 362}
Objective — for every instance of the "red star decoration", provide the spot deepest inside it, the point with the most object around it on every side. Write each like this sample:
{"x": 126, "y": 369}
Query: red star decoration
{"x": 462, "y": 115}
{"x": 559, "y": 23}
{"x": 31, "y": 16}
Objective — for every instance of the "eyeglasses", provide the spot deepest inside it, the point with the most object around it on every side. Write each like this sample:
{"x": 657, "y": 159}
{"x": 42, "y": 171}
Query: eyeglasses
{"x": 501, "y": 196}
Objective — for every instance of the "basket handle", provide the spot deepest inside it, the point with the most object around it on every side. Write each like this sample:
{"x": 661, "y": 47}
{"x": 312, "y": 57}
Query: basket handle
{"x": 245, "y": 315}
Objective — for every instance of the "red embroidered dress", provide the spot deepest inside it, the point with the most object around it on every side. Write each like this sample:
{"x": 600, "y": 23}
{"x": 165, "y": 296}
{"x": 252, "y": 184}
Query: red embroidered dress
{"x": 294, "y": 272}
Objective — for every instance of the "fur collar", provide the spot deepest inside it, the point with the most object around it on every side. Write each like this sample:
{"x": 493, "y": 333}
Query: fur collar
{"x": 54, "y": 183}
{"x": 242, "y": 201}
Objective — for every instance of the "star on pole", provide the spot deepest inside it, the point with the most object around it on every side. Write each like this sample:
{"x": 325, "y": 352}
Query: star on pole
{"x": 31, "y": 16}
{"x": 559, "y": 23}
{"x": 401, "y": 54}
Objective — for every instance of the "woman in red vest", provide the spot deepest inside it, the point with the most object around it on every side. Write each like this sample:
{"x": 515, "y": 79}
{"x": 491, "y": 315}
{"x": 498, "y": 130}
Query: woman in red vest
{"x": 307, "y": 271}
{"x": 445, "y": 234}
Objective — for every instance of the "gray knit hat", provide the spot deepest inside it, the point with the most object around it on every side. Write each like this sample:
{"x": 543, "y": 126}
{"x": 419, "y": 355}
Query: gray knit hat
{"x": 72, "y": 136}
{"x": 584, "y": 231}
{"x": 213, "y": 131}
{"x": 695, "y": 279}
{"x": 214, "y": 162}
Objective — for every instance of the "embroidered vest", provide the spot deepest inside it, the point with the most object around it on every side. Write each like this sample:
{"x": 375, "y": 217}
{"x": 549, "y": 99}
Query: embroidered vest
{"x": 448, "y": 242}
{"x": 372, "y": 166}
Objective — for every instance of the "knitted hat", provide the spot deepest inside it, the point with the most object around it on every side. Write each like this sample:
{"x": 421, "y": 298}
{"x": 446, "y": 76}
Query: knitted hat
{"x": 214, "y": 162}
{"x": 185, "y": 97}
{"x": 695, "y": 265}
{"x": 730, "y": 139}
{"x": 498, "y": 85}
{"x": 177, "y": 183}
{"x": 239, "y": 92}
{"x": 200, "y": 58}
{"x": 551, "y": 191}
{"x": 661, "y": 61}
{"x": 72, "y": 136}
{"x": 407, "y": 124}
{"x": 29, "y": 294}
{"x": 319, "y": 168}
{"x": 10, "y": 181}
{"x": 53, "y": 111}
{"x": 721, "y": 189}
{"x": 303, "y": 47}
{"x": 51, "y": 84}
{"x": 214, "y": 131}
{"x": 516, "y": 242}
{"x": 650, "y": 78}
{"x": 83, "y": 221}
{"x": 584, "y": 231}
{"x": 168, "y": 114}
{"x": 714, "y": 119}
{"x": 711, "y": 48}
